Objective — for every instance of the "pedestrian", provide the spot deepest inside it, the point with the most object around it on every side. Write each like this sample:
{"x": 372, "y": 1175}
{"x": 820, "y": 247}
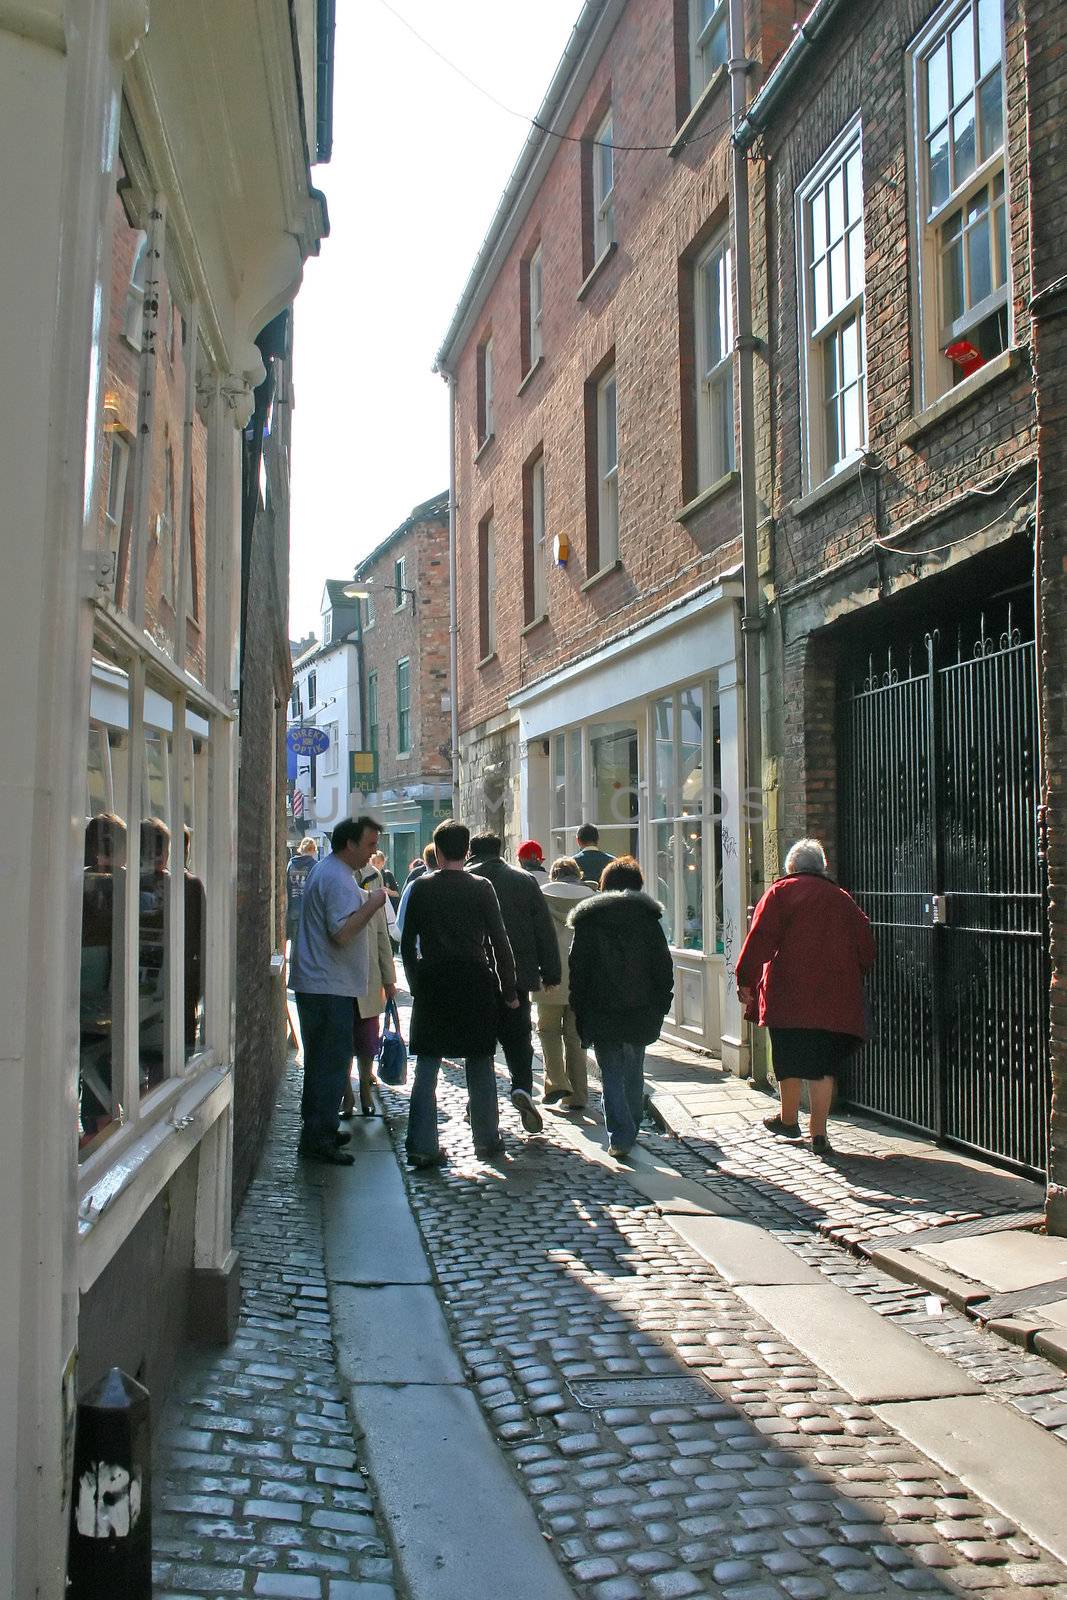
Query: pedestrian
{"x": 589, "y": 856}
{"x": 392, "y": 889}
{"x": 424, "y": 863}
{"x": 368, "y": 1007}
{"x": 296, "y": 876}
{"x": 533, "y": 943}
{"x": 452, "y": 922}
{"x": 621, "y": 984}
{"x": 800, "y": 975}
{"x": 531, "y": 859}
{"x": 566, "y": 1067}
{"x": 330, "y": 971}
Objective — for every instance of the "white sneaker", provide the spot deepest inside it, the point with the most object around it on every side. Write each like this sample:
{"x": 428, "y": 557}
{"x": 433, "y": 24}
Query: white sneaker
{"x": 528, "y": 1113}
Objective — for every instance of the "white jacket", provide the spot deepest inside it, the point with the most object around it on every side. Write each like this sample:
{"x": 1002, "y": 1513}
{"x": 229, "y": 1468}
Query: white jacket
{"x": 382, "y": 968}
{"x": 562, "y": 895}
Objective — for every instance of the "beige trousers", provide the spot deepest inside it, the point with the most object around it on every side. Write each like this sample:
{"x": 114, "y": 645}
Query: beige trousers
{"x": 561, "y": 1049}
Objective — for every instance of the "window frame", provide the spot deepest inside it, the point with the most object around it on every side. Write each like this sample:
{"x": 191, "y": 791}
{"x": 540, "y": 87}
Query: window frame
{"x": 714, "y": 461}
{"x": 403, "y": 706}
{"x": 372, "y": 709}
{"x": 400, "y": 582}
{"x": 535, "y": 275}
{"x": 311, "y": 686}
{"x": 700, "y": 75}
{"x": 603, "y": 199}
{"x": 331, "y": 756}
{"x": 936, "y": 375}
{"x": 486, "y": 420}
{"x": 607, "y": 476}
{"x": 327, "y": 627}
{"x": 535, "y": 556}
{"x": 815, "y": 340}
{"x": 487, "y": 586}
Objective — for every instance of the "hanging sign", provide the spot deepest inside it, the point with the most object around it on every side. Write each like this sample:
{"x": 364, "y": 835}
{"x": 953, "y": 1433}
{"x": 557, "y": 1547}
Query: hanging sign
{"x": 307, "y": 741}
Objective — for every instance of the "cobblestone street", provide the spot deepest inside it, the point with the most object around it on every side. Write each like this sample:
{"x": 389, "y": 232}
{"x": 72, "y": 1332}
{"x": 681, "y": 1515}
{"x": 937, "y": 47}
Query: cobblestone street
{"x": 670, "y": 1437}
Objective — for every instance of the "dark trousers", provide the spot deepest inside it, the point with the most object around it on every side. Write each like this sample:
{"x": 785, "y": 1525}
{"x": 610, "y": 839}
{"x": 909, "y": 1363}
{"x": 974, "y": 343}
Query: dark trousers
{"x": 326, "y": 1035}
{"x": 515, "y": 1033}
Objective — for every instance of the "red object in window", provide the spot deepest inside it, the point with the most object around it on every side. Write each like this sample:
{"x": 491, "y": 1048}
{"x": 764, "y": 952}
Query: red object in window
{"x": 963, "y": 354}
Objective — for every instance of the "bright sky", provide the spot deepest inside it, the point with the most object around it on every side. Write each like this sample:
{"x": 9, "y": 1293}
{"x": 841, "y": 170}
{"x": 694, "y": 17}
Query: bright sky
{"x": 420, "y": 159}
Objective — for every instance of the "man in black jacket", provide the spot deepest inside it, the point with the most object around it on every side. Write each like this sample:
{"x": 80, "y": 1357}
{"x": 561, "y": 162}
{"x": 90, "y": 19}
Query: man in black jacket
{"x": 536, "y": 950}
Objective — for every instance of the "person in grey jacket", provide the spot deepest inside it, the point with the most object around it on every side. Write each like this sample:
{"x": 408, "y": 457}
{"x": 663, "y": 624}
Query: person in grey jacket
{"x": 536, "y": 951}
{"x": 566, "y": 1066}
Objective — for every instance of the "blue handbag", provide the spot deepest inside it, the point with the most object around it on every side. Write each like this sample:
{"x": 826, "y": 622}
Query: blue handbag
{"x": 392, "y": 1051}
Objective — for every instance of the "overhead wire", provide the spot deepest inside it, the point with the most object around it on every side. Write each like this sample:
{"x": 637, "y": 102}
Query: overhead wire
{"x": 543, "y": 127}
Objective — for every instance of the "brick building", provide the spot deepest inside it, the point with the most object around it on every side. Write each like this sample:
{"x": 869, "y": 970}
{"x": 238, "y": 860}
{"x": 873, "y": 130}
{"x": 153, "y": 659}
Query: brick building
{"x": 897, "y": 459}
{"x": 596, "y": 472}
{"x": 404, "y": 674}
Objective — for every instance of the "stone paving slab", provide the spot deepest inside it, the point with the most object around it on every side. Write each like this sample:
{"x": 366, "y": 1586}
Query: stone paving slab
{"x": 393, "y": 1333}
{"x": 1021, "y": 1470}
{"x": 870, "y": 1359}
{"x": 463, "y": 1529}
{"x": 1002, "y": 1261}
{"x": 741, "y": 1252}
{"x": 370, "y": 1233}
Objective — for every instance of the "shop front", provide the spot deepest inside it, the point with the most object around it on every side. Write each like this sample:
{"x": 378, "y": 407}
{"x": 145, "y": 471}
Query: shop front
{"x": 644, "y": 740}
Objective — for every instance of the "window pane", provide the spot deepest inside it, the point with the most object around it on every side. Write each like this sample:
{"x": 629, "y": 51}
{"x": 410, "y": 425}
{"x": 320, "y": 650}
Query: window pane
{"x": 821, "y": 292}
{"x": 853, "y": 436}
{"x": 662, "y": 886}
{"x": 613, "y": 751}
{"x": 663, "y": 758}
{"x": 559, "y": 781}
{"x": 961, "y": 42}
{"x": 197, "y": 752}
{"x": 979, "y": 266}
{"x": 989, "y": 45}
{"x": 154, "y": 955}
{"x": 999, "y": 225}
{"x": 937, "y": 87}
{"x": 103, "y": 939}
{"x": 838, "y": 280}
{"x": 952, "y": 280}
{"x": 854, "y": 185}
{"x": 991, "y": 112}
{"x": 712, "y": 275}
{"x": 937, "y": 168}
{"x": 574, "y": 776}
{"x": 850, "y": 355}
{"x": 692, "y": 838}
{"x": 963, "y": 145}
{"x": 611, "y": 445}
{"x": 691, "y": 749}
{"x": 818, "y": 223}
{"x": 835, "y": 191}
{"x": 855, "y": 260}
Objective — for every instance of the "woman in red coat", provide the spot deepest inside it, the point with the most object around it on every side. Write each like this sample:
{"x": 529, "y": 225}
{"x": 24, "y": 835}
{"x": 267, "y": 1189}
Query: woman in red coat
{"x": 800, "y": 974}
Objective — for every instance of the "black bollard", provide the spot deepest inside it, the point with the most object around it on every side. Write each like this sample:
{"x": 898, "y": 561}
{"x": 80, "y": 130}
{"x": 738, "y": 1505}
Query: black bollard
{"x": 111, "y": 1501}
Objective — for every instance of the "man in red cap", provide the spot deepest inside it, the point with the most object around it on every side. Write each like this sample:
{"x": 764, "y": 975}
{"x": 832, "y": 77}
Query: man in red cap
{"x": 532, "y": 860}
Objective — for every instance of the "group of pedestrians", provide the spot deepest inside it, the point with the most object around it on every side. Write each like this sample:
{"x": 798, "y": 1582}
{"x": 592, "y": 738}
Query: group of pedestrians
{"x": 483, "y": 942}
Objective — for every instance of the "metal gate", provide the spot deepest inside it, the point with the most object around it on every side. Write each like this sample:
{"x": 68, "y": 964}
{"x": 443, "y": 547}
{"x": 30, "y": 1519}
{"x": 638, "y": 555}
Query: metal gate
{"x": 939, "y": 792}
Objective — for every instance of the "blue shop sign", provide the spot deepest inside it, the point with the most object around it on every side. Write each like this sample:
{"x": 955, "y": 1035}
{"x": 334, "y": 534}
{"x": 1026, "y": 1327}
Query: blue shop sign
{"x": 307, "y": 741}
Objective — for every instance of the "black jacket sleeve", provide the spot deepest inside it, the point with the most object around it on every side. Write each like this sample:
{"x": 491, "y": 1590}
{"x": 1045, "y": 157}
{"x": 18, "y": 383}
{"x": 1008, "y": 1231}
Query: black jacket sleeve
{"x": 409, "y": 937}
{"x": 662, "y": 970}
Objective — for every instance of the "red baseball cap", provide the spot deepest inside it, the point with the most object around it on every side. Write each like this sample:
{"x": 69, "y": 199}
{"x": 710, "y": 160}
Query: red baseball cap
{"x": 530, "y": 850}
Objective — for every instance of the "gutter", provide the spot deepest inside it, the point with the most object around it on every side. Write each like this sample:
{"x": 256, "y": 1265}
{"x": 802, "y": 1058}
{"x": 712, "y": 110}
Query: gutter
{"x": 453, "y": 593}
{"x": 325, "y": 22}
{"x": 783, "y": 79}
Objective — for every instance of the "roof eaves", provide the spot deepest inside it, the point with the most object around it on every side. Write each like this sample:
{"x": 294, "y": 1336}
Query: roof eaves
{"x": 783, "y": 77}
{"x": 433, "y": 510}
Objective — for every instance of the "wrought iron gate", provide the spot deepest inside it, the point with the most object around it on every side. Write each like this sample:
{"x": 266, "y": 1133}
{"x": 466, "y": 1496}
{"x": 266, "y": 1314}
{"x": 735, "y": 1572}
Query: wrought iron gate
{"x": 939, "y": 795}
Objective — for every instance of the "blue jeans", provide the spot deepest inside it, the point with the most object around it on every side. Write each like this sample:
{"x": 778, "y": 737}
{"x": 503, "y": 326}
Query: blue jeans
{"x": 622, "y": 1072}
{"x": 326, "y": 1035}
{"x": 422, "y": 1108}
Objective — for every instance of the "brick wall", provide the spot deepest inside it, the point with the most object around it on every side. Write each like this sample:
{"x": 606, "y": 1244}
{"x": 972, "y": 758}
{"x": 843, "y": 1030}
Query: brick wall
{"x": 664, "y": 208}
{"x": 419, "y": 631}
{"x": 1046, "y": 29}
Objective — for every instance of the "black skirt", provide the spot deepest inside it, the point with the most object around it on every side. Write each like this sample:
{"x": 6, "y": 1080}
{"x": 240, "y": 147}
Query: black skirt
{"x": 810, "y": 1052}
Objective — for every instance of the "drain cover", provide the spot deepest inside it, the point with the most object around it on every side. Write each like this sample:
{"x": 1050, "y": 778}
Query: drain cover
{"x": 597, "y": 1393}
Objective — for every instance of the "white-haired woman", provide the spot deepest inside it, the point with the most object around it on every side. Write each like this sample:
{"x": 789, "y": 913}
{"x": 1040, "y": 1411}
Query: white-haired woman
{"x": 800, "y": 974}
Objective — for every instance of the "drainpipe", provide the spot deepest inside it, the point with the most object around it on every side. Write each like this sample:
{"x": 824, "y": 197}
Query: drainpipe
{"x": 453, "y": 595}
{"x": 751, "y": 621}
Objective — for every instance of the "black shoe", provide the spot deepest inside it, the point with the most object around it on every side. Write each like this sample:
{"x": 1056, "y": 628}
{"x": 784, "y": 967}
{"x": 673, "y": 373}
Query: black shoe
{"x": 529, "y": 1115}
{"x": 553, "y": 1097}
{"x": 820, "y": 1145}
{"x": 329, "y": 1155}
{"x": 343, "y": 1136}
{"x": 421, "y": 1163}
{"x": 784, "y": 1130}
{"x": 486, "y": 1152}
{"x": 619, "y": 1151}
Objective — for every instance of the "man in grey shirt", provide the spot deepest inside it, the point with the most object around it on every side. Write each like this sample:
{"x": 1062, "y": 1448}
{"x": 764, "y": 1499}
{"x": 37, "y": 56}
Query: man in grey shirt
{"x": 330, "y": 970}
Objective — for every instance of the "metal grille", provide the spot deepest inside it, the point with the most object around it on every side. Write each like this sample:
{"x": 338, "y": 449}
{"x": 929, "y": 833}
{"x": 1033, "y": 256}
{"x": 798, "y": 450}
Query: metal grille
{"x": 939, "y": 844}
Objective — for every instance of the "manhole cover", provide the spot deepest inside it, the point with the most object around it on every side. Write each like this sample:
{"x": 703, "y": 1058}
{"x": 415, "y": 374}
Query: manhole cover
{"x": 597, "y": 1393}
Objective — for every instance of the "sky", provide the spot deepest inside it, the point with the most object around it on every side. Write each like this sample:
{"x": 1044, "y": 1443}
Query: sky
{"x": 420, "y": 159}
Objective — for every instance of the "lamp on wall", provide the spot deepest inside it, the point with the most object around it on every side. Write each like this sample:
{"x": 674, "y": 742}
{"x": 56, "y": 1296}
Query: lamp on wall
{"x": 111, "y": 411}
{"x": 366, "y": 589}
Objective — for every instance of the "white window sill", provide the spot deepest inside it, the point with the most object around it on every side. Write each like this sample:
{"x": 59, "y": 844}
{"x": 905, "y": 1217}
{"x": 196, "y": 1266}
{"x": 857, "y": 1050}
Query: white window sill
{"x": 485, "y": 661}
{"x": 534, "y": 622}
{"x": 602, "y": 572}
{"x": 718, "y": 78}
{"x": 531, "y": 375}
{"x": 960, "y": 394}
{"x": 131, "y": 1172}
{"x": 596, "y": 269}
{"x": 844, "y": 478}
{"x": 707, "y": 496}
{"x": 489, "y": 439}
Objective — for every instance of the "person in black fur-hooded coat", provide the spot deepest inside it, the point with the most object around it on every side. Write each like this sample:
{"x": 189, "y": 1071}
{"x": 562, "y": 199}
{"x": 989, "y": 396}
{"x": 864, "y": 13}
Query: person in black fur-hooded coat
{"x": 621, "y": 985}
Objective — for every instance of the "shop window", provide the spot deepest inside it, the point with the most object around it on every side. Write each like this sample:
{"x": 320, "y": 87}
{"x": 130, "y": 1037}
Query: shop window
{"x": 614, "y": 795}
{"x": 961, "y": 192}
{"x": 677, "y": 814}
